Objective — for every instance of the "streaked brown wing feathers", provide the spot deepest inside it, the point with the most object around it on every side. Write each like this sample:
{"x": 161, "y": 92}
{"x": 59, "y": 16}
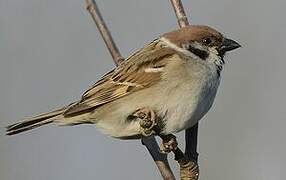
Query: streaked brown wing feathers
{"x": 129, "y": 77}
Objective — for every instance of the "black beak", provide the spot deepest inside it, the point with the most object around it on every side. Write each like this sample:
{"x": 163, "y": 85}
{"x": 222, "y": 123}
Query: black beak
{"x": 228, "y": 45}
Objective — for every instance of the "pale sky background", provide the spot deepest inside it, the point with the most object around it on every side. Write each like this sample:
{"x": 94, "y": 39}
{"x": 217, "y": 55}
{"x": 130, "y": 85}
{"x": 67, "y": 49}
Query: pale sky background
{"x": 51, "y": 51}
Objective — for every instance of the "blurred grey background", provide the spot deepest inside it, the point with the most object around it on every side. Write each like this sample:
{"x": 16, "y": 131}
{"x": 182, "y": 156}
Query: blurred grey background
{"x": 51, "y": 51}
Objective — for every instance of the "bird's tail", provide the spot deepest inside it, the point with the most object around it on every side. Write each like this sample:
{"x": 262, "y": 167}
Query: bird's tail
{"x": 34, "y": 122}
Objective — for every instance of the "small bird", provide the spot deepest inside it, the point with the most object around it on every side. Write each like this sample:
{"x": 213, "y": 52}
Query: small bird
{"x": 174, "y": 80}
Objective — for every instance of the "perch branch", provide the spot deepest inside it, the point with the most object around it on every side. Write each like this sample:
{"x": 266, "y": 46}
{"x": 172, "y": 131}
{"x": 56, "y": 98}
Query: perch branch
{"x": 160, "y": 159}
{"x": 180, "y": 13}
{"x": 92, "y": 8}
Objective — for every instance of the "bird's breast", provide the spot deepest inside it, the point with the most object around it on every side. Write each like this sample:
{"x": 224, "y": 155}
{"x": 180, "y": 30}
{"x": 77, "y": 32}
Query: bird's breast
{"x": 189, "y": 100}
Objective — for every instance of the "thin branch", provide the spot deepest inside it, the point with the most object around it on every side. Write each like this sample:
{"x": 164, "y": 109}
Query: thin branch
{"x": 96, "y": 16}
{"x": 160, "y": 159}
{"x": 191, "y": 138}
{"x": 180, "y": 13}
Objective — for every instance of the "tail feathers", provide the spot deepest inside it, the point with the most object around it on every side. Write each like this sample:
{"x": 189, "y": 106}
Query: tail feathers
{"x": 33, "y": 122}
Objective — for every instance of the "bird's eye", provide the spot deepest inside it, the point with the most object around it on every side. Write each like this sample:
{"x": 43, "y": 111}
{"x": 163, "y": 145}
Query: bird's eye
{"x": 207, "y": 41}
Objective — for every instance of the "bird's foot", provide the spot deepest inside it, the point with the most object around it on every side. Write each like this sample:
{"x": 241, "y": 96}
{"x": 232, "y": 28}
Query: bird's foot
{"x": 169, "y": 143}
{"x": 189, "y": 170}
{"x": 147, "y": 120}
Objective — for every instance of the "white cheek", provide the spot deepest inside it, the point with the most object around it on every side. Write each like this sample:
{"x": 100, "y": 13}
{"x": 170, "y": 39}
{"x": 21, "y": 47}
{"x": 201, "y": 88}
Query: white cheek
{"x": 175, "y": 47}
{"x": 214, "y": 57}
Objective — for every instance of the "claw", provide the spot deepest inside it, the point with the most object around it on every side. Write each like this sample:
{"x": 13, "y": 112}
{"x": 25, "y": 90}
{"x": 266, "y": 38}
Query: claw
{"x": 189, "y": 170}
{"x": 168, "y": 144}
{"x": 147, "y": 120}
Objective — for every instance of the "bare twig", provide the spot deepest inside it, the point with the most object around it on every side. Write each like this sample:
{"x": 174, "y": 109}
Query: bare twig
{"x": 191, "y": 138}
{"x": 96, "y": 16}
{"x": 180, "y": 13}
{"x": 151, "y": 144}
{"x": 161, "y": 160}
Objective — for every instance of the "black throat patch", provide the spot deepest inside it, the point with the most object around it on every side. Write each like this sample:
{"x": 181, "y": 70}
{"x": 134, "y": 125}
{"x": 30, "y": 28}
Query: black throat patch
{"x": 198, "y": 52}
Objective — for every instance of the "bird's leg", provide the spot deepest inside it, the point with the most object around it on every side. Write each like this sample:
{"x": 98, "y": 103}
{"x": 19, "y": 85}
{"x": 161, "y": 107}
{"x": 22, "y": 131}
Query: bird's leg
{"x": 189, "y": 165}
{"x": 189, "y": 170}
{"x": 169, "y": 143}
{"x": 147, "y": 120}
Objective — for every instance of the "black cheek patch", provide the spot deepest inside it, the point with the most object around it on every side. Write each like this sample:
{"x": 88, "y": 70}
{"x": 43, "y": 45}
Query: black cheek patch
{"x": 198, "y": 52}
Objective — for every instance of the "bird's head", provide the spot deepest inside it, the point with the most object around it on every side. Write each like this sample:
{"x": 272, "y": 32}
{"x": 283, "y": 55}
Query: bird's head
{"x": 201, "y": 42}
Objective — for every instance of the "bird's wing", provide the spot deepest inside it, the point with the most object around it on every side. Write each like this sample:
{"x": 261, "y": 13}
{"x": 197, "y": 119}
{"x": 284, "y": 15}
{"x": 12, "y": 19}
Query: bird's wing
{"x": 141, "y": 70}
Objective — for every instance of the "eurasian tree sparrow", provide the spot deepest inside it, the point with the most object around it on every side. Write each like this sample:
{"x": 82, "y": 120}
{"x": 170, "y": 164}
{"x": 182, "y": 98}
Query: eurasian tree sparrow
{"x": 176, "y": 75}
